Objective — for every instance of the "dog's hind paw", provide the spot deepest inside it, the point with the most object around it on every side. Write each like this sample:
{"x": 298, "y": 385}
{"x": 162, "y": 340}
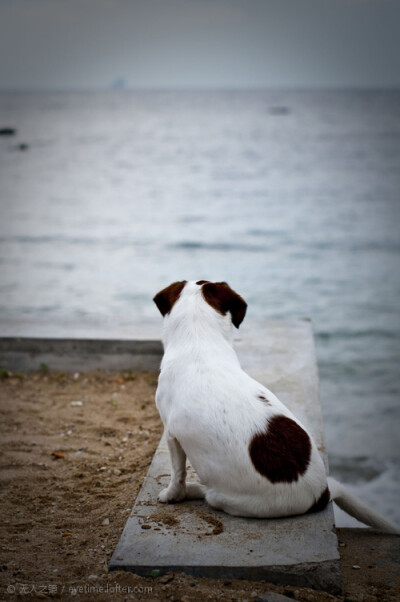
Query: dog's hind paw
{"x": 195, "y": 491}
{"x": 171, "y": 495}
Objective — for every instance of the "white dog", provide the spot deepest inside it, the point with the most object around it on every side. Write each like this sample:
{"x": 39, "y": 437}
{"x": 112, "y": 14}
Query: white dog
{"x": 253, "y": 457}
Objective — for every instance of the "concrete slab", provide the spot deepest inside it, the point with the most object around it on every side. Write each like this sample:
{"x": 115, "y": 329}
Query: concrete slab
{"x": 193, "y": 538}
{"x": 70, "y": 355}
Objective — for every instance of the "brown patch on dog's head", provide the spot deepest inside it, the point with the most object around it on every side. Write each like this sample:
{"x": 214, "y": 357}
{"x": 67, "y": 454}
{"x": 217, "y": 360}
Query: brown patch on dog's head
{"x": 200, "y": 282}
{"x": 166, "y": 299}
{"x": 223, "y": 299}
{"x": 321, "y": 503}
{"x": 281, "y": 453}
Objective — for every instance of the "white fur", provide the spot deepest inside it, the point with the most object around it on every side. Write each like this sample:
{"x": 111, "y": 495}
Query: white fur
{"x": 211, "y": 410}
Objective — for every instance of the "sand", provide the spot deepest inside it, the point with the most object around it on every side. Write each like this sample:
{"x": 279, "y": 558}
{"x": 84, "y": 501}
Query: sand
{"x": 75, "y": 450}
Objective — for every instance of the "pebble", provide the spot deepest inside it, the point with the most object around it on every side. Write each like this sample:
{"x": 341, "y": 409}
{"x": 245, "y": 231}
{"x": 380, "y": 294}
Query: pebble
{"x": 106, "y": 521}
{"x": 77, "y": 403}
{"x": 117, "y": 471}
{"x": 76, "y": 375}
{"x": 93, "y": 576}
{"x": 356, "y": 566}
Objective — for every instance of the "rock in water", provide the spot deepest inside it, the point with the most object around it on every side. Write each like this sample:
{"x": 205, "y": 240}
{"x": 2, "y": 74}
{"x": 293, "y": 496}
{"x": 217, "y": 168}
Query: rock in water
{"x": 8, "y": 131}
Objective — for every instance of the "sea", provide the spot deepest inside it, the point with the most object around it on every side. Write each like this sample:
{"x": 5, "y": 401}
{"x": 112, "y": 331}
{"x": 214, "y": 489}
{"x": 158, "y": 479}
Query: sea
{"x": 292, "y": 197}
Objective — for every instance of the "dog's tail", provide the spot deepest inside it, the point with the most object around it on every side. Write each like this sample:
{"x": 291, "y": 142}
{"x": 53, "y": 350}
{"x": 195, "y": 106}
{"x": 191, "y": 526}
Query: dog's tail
{"x": 350, "y": 504}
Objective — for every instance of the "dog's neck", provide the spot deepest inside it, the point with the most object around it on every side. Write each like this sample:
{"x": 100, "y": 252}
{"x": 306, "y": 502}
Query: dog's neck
{"x": 204, "y": 337}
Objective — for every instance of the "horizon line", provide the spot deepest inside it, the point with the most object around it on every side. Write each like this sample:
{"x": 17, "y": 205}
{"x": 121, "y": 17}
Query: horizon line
{"x": 161, "y": 89}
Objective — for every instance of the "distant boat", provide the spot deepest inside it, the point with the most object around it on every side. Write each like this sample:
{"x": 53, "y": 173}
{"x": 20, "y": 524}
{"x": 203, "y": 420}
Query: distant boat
{"x": 279, "y": 110}
{"x": 118, "y": 84}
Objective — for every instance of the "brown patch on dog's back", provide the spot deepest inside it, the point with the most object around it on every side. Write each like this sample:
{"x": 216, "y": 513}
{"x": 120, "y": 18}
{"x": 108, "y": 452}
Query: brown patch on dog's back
{"x": 321, "y": 503}
{"x": 223, "y": 299}
{"x": 166, "y": 299}
{"x": 281, "y": 453}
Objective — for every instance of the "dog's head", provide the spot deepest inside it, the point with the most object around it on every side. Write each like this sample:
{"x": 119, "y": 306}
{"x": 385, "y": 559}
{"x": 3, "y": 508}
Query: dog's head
{"x": 213, "y": 299}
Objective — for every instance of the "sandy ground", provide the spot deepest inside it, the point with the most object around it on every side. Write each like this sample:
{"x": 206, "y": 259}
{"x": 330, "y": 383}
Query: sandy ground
{"x": 74, "y": 451}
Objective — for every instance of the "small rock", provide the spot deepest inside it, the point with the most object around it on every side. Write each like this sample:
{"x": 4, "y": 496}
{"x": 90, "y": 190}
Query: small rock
{"x": 356, "y": 566}
{"x": 77, "y": 403}
{"x": 92, "y": 576}
{"x": 166, "y": 578}
{"x": 117, "y": 471}
{"x": 132, "y": 479}
{"x": 106, "y": 521}
{"x": 76, "y": 375}
{"x": 8, "y": 131}
{"x": 146, "y": 527}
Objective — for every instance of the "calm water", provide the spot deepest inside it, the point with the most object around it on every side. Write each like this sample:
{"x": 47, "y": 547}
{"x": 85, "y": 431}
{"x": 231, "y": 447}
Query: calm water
{"x": 293, "y": 198}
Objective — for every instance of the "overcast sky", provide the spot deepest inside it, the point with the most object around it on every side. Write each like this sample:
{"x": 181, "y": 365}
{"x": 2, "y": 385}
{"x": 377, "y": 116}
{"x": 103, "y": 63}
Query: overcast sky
{"x": 61, "y": 44}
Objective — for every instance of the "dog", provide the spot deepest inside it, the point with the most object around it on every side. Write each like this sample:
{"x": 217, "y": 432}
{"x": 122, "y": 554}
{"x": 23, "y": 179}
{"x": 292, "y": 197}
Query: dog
{"x": 253, "y": 457}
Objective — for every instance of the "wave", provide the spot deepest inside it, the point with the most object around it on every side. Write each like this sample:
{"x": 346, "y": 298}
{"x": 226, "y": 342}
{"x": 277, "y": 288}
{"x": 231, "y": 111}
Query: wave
{"x": 373, "y": 480}
{"x": 356, "y": 334}
{"x": 73, "y": 240}
{"x": 217, "y": 246}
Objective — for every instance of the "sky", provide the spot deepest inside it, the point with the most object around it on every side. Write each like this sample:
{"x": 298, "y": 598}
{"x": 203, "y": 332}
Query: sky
{"x": 97, "y": 44}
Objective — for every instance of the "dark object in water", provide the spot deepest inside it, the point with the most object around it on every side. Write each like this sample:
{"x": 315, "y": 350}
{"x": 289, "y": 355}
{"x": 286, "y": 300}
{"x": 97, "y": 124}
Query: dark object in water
{"x": 279, "y": 110}
{"x": 23, "y": 146}
{"x": 8, "y": 131}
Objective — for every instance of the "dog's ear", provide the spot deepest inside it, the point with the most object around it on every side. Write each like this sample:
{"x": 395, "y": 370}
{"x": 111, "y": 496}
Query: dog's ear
{"x": 223, "y": 299}
{"x": 166, "y": 298}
